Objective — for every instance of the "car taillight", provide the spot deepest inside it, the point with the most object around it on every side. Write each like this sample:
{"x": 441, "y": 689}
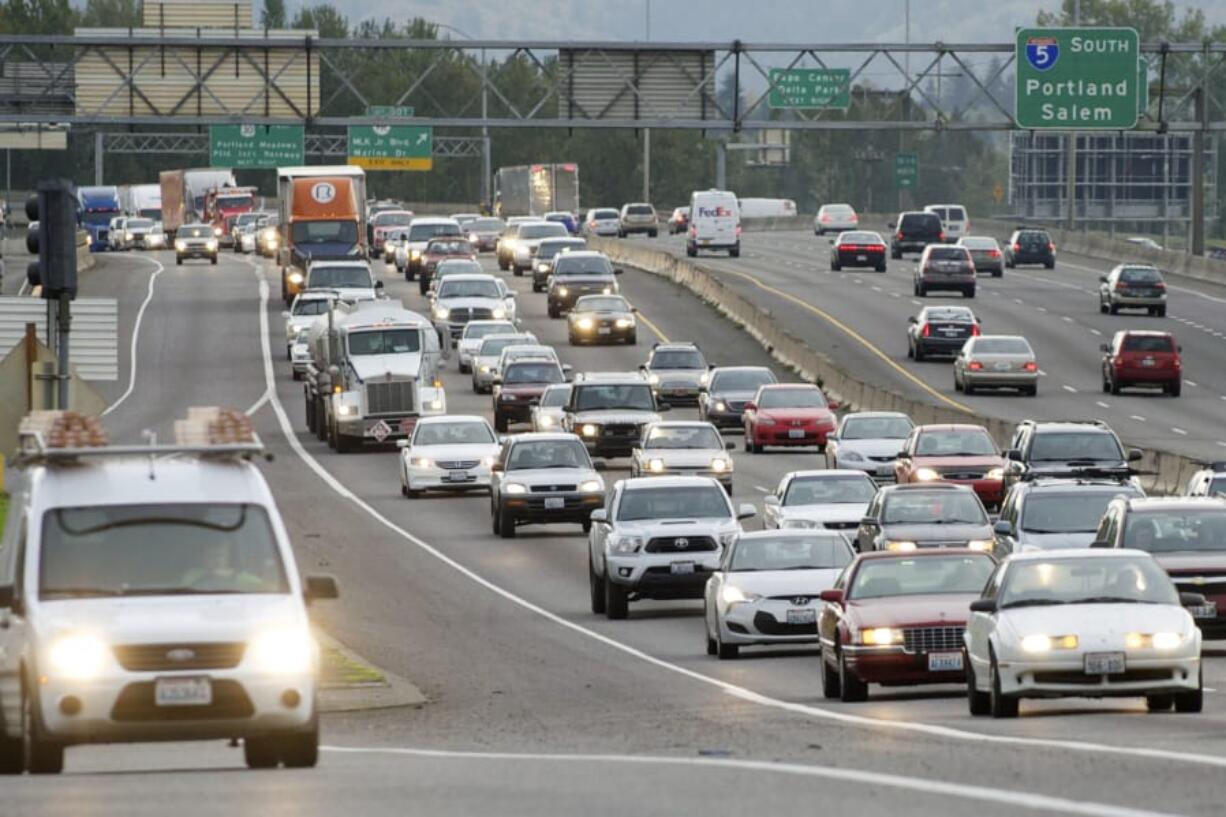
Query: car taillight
{"x": 1159, "y": 285}
{"x": 974, "y": 330}
{"x": 1051, "y": 247}
{"x": 898, "y": 235}
{"x": 974, "y": 365}
{"x": 738, "y": 229}
{"x": 941, "y": 236}
{"x": 1118, "y": 361}
{"x": 972, "y": 265}
{"x": 855, "y": 219}
{"x": 1017, "y": 247}
{"x": 591, "y": 224}
{"x": 1121, "y": 285}
{"x": 1031, "y": 366}
{"x": 825, "y": 218}
{"x": 927, "y": 332}
{"x": 993, "y": 253}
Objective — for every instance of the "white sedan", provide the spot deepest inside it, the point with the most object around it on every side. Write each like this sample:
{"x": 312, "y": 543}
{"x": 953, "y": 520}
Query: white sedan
{"x": 828, "y": 498}
{"x": 474, "y": 333}
{"x": 767, "y": 588}
{"x": 1082, "y": 623}
{"x": 448, "y": 453}
{"x": 683, "y": 447}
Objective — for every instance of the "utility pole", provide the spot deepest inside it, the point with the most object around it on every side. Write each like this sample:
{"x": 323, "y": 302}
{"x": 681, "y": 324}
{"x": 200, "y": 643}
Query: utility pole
{"x": 98, "y": 134}
{"x": 1198, "y": 168}
{"x": 1070, "y": 154}
{"x": 647, "y": 131}
{"x": 487, "y": 170}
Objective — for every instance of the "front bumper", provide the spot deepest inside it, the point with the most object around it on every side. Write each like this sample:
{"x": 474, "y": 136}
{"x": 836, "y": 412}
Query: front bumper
{"x": 438, "y": 479}
{"x": 400, "y": 427}
{"x": 603, "y": 334}
{"x": 765, "y": 622}
{"x": 727, "y": 418}
{"x": 895, "y": 666}
{"x": 193, "y": 251}
{"x": 651, "y": 576}
{"x": 1066, "y": 676}
{"x": 577, "y": 508}
{"x": 676, "y": 393}
{"x": 517, "y": 412}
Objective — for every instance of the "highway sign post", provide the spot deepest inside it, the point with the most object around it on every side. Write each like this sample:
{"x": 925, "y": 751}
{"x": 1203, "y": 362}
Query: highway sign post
{"x": 810, "y": 88}
{"x": 256, "y": 145}
{"x": 1077, "y": 78}
{"x": 906, "y": 170}
{"x": 391, "y": 147}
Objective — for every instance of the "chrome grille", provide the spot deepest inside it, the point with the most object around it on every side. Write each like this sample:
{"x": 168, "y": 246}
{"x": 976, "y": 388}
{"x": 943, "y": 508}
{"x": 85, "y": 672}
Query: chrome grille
{"x": 963, "y": 474}
{"x": 178, "y": 656}
{"x": 932, "y": 639}
{"x": 840, "y": 525}
{"x": 466, "y": 314}
{"x": 395, "y": 397}
{"x": 552, "y": 489}
{"x": 458, "y": 465}
{"x": 680, "y": 544}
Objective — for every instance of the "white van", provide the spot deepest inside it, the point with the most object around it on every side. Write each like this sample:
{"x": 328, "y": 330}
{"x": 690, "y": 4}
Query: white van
{"x": 715, "y": 223}
{"x": 954, "y": 220}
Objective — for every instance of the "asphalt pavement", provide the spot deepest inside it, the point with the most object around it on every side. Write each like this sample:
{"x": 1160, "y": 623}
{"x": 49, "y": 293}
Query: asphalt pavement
{"x": 535, "y": 704}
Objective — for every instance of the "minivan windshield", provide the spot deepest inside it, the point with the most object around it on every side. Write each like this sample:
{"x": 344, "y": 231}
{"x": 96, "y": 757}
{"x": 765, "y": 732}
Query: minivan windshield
{"x": 159, "y": 550}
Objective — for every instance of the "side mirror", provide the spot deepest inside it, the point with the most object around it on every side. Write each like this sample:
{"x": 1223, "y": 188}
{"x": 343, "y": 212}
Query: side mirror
{"x": 746, "y": 511}
{"x": 600, "y": 465}
{"x": 599, "y": 515}
{"x": 634, "y": 309}
{"x": 891, "y": 224}
{"x": 903, "y": 455}
{"x": 912, "y": 319}
{"x": 402, "y": 443}
{"x": 832, "y": 596}
{"x": 770, "y": 499}
{"x": 1135, "y": 455}
{"x": 1192, "y": 600}
{"x": 285, "y": 313}
{"x": 567, "y": 368}
{"x": 833, "y": 405}
{"x": 983, "y": 606}
{"x": 1003, "y": 528}
{"x": 320, "y": 587}
{"x": 1104, "y": 347}
{"x": 730, "y": 446}
{"x": 1014, "y": 454}
{"x": 1102, "y": 278}
{"x": 378, "y": 285}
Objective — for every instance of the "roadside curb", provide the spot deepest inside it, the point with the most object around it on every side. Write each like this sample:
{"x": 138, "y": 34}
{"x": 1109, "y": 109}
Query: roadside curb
{"x": 389, "y": 693}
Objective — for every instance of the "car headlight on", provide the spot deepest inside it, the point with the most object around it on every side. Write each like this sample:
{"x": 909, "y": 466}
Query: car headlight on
{"x": 1037, "y": 643}
{"x": 436, "y": 405}
{"x": 995, "y": 473}
{"x": 285, "y": 652}
{"x": 625, "y": 545}
{"x": 346, "y": 410}
{"x": 653, "y": 379}
{"x": 585, "y": 324}
{"x": 441, "y": 313}
{"x": 415, "y": 254}
{"x": 607, "y": 291}
{"x": 488, "y": 462}
{"x": 704, "y": 379}
{"x": 78, "y": 657}
{"x": 420, "y": 462}
{"x": 542, "y": 268}
{"x": 623, "y": 323}
{"x": 734, "y": 595}
{"x": 1157, "y": 641}
{"x": 131, "y": 236}
{"x": 589, "y": 430}
{"x": 881, "y": 636}
{"x": 296, "y": 278}
{"x": 545, "y": 421}
{"x": 563, "y": 291}
{"x": 900, "y": 545}
{"x": 927, "y": 474}
{"x": 720, "y": 405}
{"x": 485, "y": 370}
{"x": 655, "y": 465}
{"x": 591, "y": 486}
{"x": 180, "y": 245}
{"x": 721, "y": 464}
{"x": 217, "y": 231}
{"x": 980, "y": 544}
{"x": 499, "y": 313}
{"x": 799, "y": 524}
{"x": 515, "y": 488}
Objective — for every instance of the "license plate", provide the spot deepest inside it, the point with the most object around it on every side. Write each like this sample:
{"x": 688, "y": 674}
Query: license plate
{"x": 861, "y": 257}
{"x": 604, "y": 330}
{"x": 554, "y": 503}
{"x": 681, "y": 568}
{"x": 796, "y": 433}
{"x": 1002, "y": 367}
{"x": 1206, "y": 610}
{"x": 182, "y": 692}
{"x": 802, "y": 615}
{"x": 885, "y": 470}
{"x": 950, "y": 330}
{"x": 1147, "y": 362}
{"x": 457, "y": 476}
{"x": 944, "y": 662}
{"x": 1104, "y": 663}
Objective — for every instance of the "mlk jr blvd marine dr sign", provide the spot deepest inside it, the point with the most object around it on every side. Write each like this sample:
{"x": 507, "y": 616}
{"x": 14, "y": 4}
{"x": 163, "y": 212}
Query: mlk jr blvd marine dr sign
{"x": 1077, "y": 78}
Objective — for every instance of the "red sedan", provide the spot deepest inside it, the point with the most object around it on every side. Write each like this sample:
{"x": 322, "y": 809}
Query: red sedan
{"x": 439, "y": 249}
{"x": 897, "y": 619}
{"x": 962, "y": 454}
{"x": 858, "y": 249}
{"x": 788, "y": 414}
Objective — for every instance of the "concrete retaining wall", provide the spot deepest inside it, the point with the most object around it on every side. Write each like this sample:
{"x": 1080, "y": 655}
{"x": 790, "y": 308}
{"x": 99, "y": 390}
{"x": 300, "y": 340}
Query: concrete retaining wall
{"x": 1170, "y": 471}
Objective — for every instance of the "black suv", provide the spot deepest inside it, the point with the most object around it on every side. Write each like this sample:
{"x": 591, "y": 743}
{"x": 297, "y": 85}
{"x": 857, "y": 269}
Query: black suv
{"x": 1050, "y": 513}
{"x": 608, "y": 411}
{"x": 1066, "y": 448}
{"x": 915, "y": 231}
{"x": 1030, "y": 247}
{"x": 576, "y": 274}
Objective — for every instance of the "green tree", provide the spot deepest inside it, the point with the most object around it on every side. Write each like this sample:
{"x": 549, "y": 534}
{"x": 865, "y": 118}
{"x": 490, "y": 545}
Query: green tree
{"x": 37, "y": 17}
{"x": 111, "y": 14}
{"x": 274, "y": 14}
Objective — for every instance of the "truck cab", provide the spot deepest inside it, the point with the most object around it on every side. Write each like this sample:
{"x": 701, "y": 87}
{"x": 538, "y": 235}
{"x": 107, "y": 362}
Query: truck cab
{"x": 323, "y": 213}
{"x": 222, "y": 208}
{"x": 98, "y": 206}
{"x": 373, "y": 372}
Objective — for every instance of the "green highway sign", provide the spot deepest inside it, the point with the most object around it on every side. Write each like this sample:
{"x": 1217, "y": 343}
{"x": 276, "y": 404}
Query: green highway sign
{"x": 810, "y": 88}
{"x": 1077, "y": 78}
{"x": 391, "y": 147}
{"x": 255, "y": 145}
{"x": 390, "y": 111}
{"x": 906, "y": 170}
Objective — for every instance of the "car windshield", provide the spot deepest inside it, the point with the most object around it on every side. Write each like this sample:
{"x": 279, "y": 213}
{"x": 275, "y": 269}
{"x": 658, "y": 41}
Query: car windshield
{"x": 921, "y": 576}
{"x": 394, "y": 219}
{"x": 947, "y": 253}
{"x": 453, "y": 434}
{"x": 614, "y": 396}
{"x": 681, "y": 502}
{"x": 582, "y": 265}
{"x": 451, "y": 288}
{"x": 311, "y": 306}
{"x": 525, "y": 456}
{"x": 860, "y": 238}
{"x": 955, "y": 443}
{"x": 602, "y": 303}
{"x": 679, "y": 437}
{"x": 334, "y": 277}
{"x": 194, "y": 232}
{"x": 678, "y": 359}
{"x": 1063, "y": 447}
{"x": 604, "y": 214}
{"x": 449, "y": 248}
{"x": 1137, "y": 275}
{"x": 639, "y": 210}
{"x": 234, "y": 202}
{"x": 458, "y": 265}
{"x": 532, "y": 373}
{"x": 480, "y": 330}
{"x": 384, "y": 342}
{"x": 816, "y": 551}
{"x": 548, "y": 249}
{"x": 1072, "y": 512}
{"x": 555, "y": 397}
{"x": 244, "y": 219}
{"x": 875, "y": 428}
{"x": 1001, "y": 346}
{"x": 1107, "y": 579}
{"x": 792, "y": 398}
{"x": 851, "y": 489}
{"x": 492, "y": 347}
{"x": 425, "y": 232}
{"x": 933, "y": 507}
{"x": 741, "y": 380}
{"x": 1190, "y": 529}
{"x": 139, "y": 223}
{"x": 549, "y": 230}
{"x": 159, "y": 550}
{"x": 487, "y": 225}
{"x": 1148, "y": 343}
{"x": 324, "y": 232}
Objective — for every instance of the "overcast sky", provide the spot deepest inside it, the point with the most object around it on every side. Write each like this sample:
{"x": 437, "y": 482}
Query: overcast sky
{"x": 762, "y": 21}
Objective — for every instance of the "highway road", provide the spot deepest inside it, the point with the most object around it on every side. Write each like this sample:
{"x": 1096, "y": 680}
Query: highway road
{"x": 1057, "y": 310}
{"x": 536, "y": 705}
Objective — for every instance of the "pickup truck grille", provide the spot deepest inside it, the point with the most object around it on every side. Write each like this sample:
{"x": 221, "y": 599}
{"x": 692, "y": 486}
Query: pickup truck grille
{"x": 466, "y": 314}
{"x": 932, "y": 639}
{"x": 389, "y": 398}
{"x": 681, "y": 544}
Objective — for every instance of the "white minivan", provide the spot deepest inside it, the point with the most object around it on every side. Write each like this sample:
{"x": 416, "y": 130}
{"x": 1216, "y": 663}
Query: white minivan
{"x": 954, "y": 220}
{"x": 715, "y": 223}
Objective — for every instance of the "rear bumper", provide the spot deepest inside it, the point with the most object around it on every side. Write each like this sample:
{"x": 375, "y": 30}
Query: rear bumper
{"x": 940, "y": 283}
{"x": 782, "y": 435}
{"x": 1002, "y": 379}
{"x": 1137, "y": 374}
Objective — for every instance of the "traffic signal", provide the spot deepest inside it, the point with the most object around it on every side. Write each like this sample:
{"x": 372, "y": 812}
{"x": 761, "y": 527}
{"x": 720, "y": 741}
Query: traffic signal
{"x": 54, "y": 241}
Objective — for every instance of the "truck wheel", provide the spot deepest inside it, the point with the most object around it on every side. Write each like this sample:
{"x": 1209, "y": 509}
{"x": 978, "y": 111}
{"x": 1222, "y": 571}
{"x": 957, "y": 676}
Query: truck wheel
{"x": 178, "y": 261}
{"x": 653, "y": 233}
{"x": 735, "y": 251}
{"x": 321, "y": 421}
{"x": 691, "y": 250}
{"x": 344, "y": 443}
{"x": 596, "y": 586}
{"x": 503, "y": 265}
{"x": 616, "y": 601}
{"x": 213, "y": 260}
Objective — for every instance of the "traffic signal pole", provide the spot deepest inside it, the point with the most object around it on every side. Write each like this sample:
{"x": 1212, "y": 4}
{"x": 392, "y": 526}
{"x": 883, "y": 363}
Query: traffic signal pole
{"x": 63, "y": 321}
{"x": 53, "y": 243}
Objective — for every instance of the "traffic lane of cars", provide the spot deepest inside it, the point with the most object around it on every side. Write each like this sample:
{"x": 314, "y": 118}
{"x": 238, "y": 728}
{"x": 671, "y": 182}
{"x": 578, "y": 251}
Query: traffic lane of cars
{"x": 1071, "y": 389}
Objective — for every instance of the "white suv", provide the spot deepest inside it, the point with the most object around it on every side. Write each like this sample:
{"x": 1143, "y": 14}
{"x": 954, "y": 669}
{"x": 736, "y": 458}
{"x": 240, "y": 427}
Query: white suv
{"x": 150, "y": 594}
{"x": 954, "y": 220}
{"x": 658, "y": 538}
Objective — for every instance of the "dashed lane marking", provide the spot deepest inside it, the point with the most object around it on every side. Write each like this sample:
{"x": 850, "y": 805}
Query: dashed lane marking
{"x": 1136, "y": 417}
{"x": 1179, "y": 431}
{"x": 1068, "y": 388}
{"x": 1101, "y": 404}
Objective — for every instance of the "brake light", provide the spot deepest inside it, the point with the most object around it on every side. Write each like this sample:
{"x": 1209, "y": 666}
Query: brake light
{"x": 974, "y": 365}
{"x": 855, "y": 219}
{"x": 927, "y": 331}
{"x": 1031, "y": 366}
{"x": 941, "y": 236}
{"x": 1051, "y": 247}
{"x": 738, "y": 229}
{"x": 993, "y": 253}
{"x": 693, "y": 231}
{"x": 1159, "y": 285}
{"x": 825, "y": 217}
{"x": 974, "y": 330}
{"x": 972, "y": 263}
{"x": 1121, "y": 285}
{"x": 1017, "y": 247}
{"x": 591, "y": 223}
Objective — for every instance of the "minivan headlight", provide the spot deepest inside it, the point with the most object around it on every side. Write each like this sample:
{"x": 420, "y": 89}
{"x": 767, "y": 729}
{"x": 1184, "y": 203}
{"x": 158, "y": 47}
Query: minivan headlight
{"x": 79, "y": 656}
{"x": 284, "y": 652}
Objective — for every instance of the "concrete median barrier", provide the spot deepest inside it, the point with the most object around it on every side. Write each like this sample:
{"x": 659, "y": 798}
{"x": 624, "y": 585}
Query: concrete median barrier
{"x": 1166, "y": 472}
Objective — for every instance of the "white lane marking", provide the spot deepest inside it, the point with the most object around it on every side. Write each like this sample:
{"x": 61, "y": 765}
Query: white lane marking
{"x": 1191, "y": 383}
{"x": 895, "y": 295}
{"x": 1018, "y": 301}
{"x": 1042, "y": 373}
{"x": 1179, "y": 431}
{"x": 1169, "y": 286}
{"x": 1137, "y": 417}
{"x": 1041, "y": 308}
{"x": 258, "y": 404}
{"x": 140, "y": 316}
{"x": 763, "y": 490}
{"x": 1068, "y": 388}
{"x": 743, "y": 693}
{"x": 916, "y": 302}
{"x": 1101, "y": 404}
{"x": 1066, "y": 319}
{"x": 1222, "y": 443}
{"x": 1002, "y": 797}
{"x": 1095, "y": 332}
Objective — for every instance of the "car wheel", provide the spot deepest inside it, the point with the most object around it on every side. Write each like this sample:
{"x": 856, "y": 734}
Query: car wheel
{"x": 1159, "y": 703}
{"x": 967, "y": 388}
{"x": 1193, "y": 701}
{"x": 39, "y": 755}
{"x": 178, "y": 262}
{"x": 998, "y": 273}
{"x": 735, "y": 251}
{"x": 1175, "y": 389}
{"x": 712, "y": 647}
{"x": 586, "y": 524}
{"x": 12, "y": 755}
{"x": 653, "y": 233}
{"x": 969, "y": 293}
{"x": 726, "y": 652}
{"x": 465, "y": 369}
{"x": 910, "y": 350}
{"x": 979, "y": 703}
{"x": 895, "y": 254}
{"x": 1162, "y": 312}
{"x": 321, "y": 422}
{"x": 1009, "y": 265}
{"x": 616, "y": 601}
{"x": 851, "y": 689}
{"x": 1106, "y": 385}
{"x": 260, "y": 753}
{"x": 835, "y": 267}
{"x": 506, "y": 524}
{"x": 500, "y": 423}
{"x": 308, "y": 409}
{"x": 1102, "y": 307}
{"x": 957, "y": 382}
{"x": 830, "y": 678}
{"x": 1000, "y": 705}
{"x": 213, "y": 260}
{"x": 1032, "y": 391}
{"x": 503, "y": 265}
{"x": 1115, "y": 386}
{"x": 596, "y": 585}
{"x": 1049, "y": 264}
{"x": 881, "y": 268}
{"x": 920, "y": 354}
{"x": 692, "y": 252}
{"x": 553, "y": 312}
{"x": 923, "y": 291}
{"x": 300, "y": 750}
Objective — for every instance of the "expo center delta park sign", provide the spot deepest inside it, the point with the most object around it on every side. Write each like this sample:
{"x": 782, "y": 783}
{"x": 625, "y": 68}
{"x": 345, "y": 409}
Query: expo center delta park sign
{"x": 1078, "y": 78}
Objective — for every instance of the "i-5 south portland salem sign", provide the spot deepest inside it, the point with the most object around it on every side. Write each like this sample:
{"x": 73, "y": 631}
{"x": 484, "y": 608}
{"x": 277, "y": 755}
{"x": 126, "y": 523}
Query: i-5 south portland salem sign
{"x": 1077, "y": 78}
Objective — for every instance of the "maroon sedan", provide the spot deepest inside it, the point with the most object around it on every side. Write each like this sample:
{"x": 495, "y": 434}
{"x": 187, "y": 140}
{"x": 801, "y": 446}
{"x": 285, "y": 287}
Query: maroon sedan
{"x": 788, "y": 414}
{"x": 1142, "y": 358}
{"x": 519, "y": 389}
{"x": 859, "y": 248}
{"x": 963, "y": 454}
{"x": 439, "y": 249}
{"x": 897, "y": 618}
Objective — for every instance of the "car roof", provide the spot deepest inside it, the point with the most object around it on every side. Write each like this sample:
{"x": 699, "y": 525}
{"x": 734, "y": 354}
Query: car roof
{"x": 434, "y": 220}
{"x": 610, "y": 377}
{"x": 826, "y": 473}
{"x": 720, "y": 369}
{"x": 1146, "y": 333}
{"x": 680, "y": 424}
{"x": 879, "y": 415}
{"x": 789, "y": 387}
{"x": 582, "y": 253}
{"x": 542, "y": 436}
{"x": 442, "y": 419}
{"x": 1079, "y": 485}
{"x": 472, "y": 276}
{"x": 1175, "y": 503}
{"x": 792, "y": 533}
{"x": 915, "y": 487}
{"x": 1076, "y": 553}
{"x": 979, "y": 338}
{"x": 109, "y": 481}
{"x": 676, "y": 346}
{"x": 951, "y": 427}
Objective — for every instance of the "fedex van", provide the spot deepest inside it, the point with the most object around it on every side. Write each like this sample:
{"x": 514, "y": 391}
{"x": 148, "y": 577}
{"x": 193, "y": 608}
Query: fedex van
{"x": 715, "y": 223}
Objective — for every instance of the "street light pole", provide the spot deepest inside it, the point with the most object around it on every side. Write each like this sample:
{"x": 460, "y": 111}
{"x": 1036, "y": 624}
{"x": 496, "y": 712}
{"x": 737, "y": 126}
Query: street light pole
{"x": 1070, "y": 154}
{"x": 647, "y": 131}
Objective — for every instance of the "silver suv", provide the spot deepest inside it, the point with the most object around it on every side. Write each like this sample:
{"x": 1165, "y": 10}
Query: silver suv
{"x": 638, "y": 218}
{"x": 659, "y": 538}
{"x": 676, "y": 371}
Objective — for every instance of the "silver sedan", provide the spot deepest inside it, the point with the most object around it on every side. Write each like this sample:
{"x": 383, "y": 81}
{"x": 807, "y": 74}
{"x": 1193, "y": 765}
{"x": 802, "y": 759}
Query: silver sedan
{"x": 996, "y": 362}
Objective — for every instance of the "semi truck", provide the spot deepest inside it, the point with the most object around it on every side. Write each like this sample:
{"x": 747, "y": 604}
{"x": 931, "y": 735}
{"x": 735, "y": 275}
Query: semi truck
{"x": 142, "y": 201}
{"x": 534, "y": 190}
{"x": 322, "y": 211}
{"x": 222, "y": 205}
{"x": 184, "y": 191}
{"x": 98, "y": 205}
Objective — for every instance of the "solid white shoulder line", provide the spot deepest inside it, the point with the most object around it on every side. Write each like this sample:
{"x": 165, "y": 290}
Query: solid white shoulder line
{"x": 140, "y": 316}
{"x": 732, "y": 689}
